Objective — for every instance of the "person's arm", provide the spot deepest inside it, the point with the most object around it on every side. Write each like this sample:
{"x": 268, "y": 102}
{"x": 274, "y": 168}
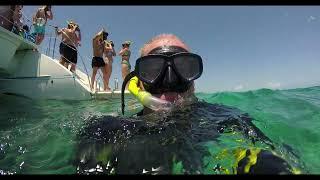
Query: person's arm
{"x": 79, "y": 37}
{"x": 121, "y": 52}
{"x": 107, "y": 46}
{"x": 79, "y": 34}
{"x": 59, "y": 31}
{"x": 96, "y": 38}
{"x": 49, "y": 14}
{"x": 14, "y": 17}
{"x": 113, "y": 52}
{"x": 34, "y": 18}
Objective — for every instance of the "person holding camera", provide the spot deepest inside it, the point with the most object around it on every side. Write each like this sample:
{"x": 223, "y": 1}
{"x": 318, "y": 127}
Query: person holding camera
{"x": 71, "y": 37}
{"x": 17, "y": 20}
{"x": 109, "y": 52}
{"x": 98, "y": 45}
{"x": 39, "y": 22}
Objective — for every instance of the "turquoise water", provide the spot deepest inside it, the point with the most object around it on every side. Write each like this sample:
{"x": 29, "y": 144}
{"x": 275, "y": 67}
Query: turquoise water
{"x": 41, "y": 137}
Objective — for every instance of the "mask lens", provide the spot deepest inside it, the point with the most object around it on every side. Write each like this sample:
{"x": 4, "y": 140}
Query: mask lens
{"x": 188, "y": 66}
{"x": 150, "y": 68}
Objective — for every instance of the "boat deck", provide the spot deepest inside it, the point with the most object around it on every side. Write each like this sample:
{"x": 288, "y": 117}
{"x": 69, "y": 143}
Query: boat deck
{"x": 115, "y": 94}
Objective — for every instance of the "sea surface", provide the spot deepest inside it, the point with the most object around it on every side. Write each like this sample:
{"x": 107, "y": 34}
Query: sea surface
{"x": 42, "y": 136}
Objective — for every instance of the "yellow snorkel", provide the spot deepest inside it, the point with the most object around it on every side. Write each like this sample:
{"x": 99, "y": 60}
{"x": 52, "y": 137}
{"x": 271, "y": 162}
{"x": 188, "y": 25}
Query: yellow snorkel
{"x": 144, "y": 97}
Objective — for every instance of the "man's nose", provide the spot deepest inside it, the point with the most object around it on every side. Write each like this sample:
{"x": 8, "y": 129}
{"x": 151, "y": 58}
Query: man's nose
{"x": 170, "y": 78}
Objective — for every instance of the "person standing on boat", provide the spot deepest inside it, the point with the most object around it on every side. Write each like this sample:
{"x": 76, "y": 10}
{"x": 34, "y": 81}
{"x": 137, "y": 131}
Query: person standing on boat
{"x": 17, "y": 20}
{"x": 6, "y": 14}
{"x": 98, "y": 45}
{"x": 71, "y": 37}
{"x": 125, "y": 54}
{"x": 39, "y": 22}
{"x": 109, "y": 52}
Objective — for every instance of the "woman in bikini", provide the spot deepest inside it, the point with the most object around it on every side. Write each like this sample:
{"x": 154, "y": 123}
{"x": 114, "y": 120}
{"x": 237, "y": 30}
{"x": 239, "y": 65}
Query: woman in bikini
{"x": 109, "y": 52}
{"x": 125, "y": 53}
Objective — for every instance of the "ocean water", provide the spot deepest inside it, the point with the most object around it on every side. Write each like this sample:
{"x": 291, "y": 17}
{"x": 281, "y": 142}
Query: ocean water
{"x": 42, "y": 137}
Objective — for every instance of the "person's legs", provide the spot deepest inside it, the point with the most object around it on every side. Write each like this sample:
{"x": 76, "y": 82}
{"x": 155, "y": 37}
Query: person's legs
{"x": 93, "y": 77}
{"x": 105, "y": 82}
{"x": 110, "y": 69}
{"x": 66, "y": 64}
{"x": 73, "y": 59}
{"x": 124, "y": 68}
{"x": 62, "y": 61}
{"x": 108, "y": 74}
{"x": 73, "y": 67}
{"x": 125, "y": 72}
{"x": 39, "y": 38}
{"x": 40, "y": 31}
{"x": 61, "y": 51}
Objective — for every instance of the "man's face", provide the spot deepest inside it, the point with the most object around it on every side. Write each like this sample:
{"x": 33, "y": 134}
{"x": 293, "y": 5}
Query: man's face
{"x": 168, "y": 47}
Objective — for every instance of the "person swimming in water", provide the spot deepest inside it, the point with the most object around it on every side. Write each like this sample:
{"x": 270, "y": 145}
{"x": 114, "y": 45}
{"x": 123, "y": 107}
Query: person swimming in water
{"x": 125, "y": 54}
{"x": 175, "y": 132}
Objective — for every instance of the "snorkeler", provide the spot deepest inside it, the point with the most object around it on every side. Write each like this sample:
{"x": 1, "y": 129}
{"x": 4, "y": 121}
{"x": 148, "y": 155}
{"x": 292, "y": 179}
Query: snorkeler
{"x": 175, "y": 132}
{"x": 39, "y": 22}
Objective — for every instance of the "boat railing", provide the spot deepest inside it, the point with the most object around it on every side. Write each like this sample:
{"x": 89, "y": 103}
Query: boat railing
{"x": 52, "y": 50}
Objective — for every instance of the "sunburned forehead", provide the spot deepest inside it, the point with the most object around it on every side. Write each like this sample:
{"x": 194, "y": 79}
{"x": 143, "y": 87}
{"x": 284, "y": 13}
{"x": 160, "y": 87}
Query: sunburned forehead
{"x": 165, "y": 41}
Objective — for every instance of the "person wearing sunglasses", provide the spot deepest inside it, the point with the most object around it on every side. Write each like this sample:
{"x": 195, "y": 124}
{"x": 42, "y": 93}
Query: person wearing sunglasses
{"x": 176, "y": 133}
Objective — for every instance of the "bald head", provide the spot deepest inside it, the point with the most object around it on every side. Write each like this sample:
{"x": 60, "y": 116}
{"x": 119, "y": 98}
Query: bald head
{"x": 160, "y": 41}
{"x": 162, "y": 44}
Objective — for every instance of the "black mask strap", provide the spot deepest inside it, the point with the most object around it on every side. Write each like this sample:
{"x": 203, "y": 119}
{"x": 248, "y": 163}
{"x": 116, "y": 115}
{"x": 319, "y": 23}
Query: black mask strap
{"x": 167, "y": 50}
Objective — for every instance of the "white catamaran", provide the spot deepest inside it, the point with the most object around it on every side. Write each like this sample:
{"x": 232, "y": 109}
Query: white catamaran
{"x": 29, "y": 73}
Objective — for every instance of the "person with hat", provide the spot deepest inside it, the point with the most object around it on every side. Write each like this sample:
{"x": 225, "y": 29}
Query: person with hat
{"x": 71, "y": 37}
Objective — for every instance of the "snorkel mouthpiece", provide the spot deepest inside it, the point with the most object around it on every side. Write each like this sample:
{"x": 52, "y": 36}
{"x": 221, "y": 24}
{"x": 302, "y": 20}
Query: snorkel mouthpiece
{"x": 149, "y": 101}
{"x": 144, "y": 97}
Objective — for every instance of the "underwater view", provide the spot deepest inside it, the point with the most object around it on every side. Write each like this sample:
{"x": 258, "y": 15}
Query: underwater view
{"x": 54, "y": 137}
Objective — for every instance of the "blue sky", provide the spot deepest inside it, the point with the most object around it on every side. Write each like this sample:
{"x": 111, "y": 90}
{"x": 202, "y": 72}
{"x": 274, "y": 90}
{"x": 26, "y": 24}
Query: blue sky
{"x": 243, "y": 47}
